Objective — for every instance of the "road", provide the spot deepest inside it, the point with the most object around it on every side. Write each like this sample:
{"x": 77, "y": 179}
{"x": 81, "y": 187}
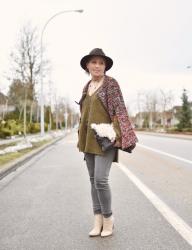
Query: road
{"x": 46, "y": 203}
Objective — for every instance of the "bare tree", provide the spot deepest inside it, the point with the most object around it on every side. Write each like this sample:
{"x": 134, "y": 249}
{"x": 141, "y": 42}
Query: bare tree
{"x": 64, "y": 112}
{"x": 150, "y": 106}
{"x": 140, "y": 104}
{"x": 166, "y": 102}
{"x": 16, "y": 95}
{"x": 25, "y": 65}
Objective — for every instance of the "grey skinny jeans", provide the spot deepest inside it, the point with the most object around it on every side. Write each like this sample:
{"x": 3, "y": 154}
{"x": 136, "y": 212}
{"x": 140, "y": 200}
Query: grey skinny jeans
{"x": 98, "y": 167}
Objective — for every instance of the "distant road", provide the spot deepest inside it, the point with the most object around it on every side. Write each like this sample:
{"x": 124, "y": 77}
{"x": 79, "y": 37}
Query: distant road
{"x": 179, "y": 147}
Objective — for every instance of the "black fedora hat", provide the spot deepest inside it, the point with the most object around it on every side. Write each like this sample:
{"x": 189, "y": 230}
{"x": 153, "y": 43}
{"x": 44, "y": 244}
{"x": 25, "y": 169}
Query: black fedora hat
{"x": 96, "y": 52}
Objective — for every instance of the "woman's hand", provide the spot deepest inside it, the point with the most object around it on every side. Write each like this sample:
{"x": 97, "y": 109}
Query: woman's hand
{"x": 117, "y": 144}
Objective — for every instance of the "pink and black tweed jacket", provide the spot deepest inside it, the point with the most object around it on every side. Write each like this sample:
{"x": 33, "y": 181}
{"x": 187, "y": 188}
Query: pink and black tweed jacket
{"x": 112, "y": 99}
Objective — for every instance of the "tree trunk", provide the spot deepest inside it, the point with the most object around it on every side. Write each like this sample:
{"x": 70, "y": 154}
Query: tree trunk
{"x": 37, "y": 118}
{"x": 20, "y": 112}
{"x": 50, "y": 120}
{"x": 31, "y": 112}
{"x": 25, "y": 112}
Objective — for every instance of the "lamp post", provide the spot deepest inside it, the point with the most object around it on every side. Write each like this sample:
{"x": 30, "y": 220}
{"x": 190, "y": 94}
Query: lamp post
{"x": 41, "y": 68}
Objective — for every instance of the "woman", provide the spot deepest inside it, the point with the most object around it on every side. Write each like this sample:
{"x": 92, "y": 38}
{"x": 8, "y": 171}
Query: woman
{"x": 102, "y": 103}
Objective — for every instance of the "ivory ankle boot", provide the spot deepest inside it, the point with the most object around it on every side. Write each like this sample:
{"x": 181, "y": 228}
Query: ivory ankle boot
{"x": 108, "y": 225}
{"x": 98, "y": 224}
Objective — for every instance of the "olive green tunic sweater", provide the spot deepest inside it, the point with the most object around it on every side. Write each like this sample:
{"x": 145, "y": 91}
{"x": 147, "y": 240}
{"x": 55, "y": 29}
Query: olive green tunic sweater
{"x": 93, "y": 112}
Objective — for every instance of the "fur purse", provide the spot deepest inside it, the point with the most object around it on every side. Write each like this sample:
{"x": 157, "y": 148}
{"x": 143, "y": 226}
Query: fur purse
{"x": 104, "y": 134}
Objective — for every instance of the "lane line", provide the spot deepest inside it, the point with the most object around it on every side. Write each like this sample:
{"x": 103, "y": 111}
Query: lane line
{"x": 177, "y": 222}
{"x": 164, "y": 153}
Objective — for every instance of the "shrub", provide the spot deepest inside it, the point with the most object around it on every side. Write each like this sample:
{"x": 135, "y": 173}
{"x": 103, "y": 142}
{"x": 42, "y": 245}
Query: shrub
{"x": 34, "y": 128}
{"x": 174, "y": 129}
{"x": 187, "y": 129}
{"x": 5, "y": 132}
{"x": 14, "y": 126}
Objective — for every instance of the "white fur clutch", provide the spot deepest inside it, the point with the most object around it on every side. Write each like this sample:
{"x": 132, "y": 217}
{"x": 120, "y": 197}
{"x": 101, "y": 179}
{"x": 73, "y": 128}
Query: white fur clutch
{"x": 104, "y": 130}
{"x": 105, "y": 136}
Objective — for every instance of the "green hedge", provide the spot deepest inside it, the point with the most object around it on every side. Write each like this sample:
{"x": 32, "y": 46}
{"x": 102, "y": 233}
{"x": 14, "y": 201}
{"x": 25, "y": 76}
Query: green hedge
{"x": 176, "y": 129}
{"x": 11, "y": 127}
{"x": 5, "y": 132}
{"x": 15, "y": 127}
{"x": 187, "y": 129}
{"x": 33, "y": 128}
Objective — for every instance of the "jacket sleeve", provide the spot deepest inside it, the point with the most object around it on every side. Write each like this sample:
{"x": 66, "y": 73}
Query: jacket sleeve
{"x": 116, "y": 101}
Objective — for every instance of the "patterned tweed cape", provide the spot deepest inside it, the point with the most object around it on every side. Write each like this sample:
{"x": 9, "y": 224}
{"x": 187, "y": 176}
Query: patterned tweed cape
{"x": 112, "y": 99}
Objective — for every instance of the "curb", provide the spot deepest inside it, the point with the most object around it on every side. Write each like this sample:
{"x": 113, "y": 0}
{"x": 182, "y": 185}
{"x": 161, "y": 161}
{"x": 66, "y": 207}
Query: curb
{"x": 12, "y": 166}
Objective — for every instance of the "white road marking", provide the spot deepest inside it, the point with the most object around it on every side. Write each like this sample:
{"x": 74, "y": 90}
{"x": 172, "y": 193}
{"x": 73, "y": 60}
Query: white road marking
{"x": 164, "y": 153}
{"x": 177, "y": 222}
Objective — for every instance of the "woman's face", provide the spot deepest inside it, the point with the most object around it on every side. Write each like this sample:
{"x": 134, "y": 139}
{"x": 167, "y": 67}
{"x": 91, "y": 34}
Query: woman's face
{"x": 96, "y": 66}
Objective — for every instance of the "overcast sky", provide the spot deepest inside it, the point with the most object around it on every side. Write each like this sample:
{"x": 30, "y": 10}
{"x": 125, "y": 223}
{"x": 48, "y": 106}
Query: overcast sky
{"x": 150, "y": 42}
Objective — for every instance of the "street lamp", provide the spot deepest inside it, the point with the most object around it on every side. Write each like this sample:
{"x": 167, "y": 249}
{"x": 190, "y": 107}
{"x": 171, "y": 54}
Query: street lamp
{"x": 41, "y": 68}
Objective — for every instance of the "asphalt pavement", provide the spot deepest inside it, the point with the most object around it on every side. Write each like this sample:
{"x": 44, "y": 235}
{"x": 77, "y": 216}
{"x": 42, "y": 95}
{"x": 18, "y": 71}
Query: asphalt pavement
{"x": 46, "y": 203}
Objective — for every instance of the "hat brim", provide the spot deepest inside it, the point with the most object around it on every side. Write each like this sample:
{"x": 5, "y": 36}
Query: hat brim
{"x": 85, "y": 59}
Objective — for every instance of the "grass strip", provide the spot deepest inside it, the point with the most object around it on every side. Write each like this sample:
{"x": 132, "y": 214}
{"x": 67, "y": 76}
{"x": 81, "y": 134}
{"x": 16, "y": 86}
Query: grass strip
{"x": 12, "y": 156}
